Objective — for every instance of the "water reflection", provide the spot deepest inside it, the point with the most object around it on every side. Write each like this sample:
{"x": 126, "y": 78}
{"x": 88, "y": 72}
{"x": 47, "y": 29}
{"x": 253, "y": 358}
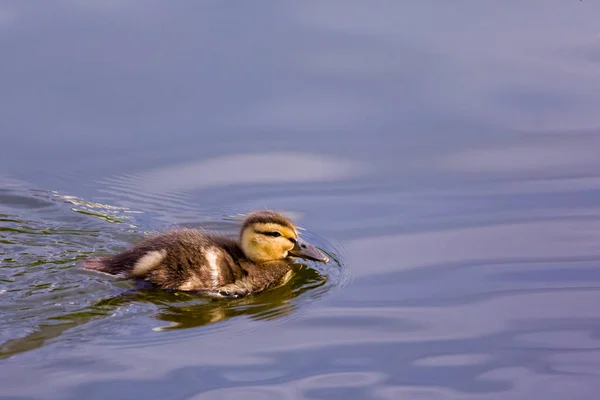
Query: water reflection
{"x": 244, "y": 169}
{"x": 491, "y": 365}
{"x": 272, "y": 304}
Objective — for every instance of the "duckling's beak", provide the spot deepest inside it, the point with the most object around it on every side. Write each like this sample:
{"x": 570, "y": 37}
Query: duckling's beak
{"x": 308, "y": 251}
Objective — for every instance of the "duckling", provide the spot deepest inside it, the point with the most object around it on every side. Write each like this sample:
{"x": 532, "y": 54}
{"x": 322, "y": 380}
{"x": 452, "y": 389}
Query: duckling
{"x": 192, "y": 260}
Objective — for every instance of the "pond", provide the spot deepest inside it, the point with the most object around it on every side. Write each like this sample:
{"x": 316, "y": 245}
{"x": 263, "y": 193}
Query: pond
{"x": 445, "y": 155}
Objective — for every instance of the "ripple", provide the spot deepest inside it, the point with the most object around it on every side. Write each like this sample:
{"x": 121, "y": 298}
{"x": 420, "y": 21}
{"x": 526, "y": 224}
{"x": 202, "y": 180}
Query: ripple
{"x": 49, "y": 300}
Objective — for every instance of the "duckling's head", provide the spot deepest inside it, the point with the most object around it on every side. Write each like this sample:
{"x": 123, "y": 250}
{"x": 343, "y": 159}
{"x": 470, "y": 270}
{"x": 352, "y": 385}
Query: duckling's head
{"x": 269, "y": 236}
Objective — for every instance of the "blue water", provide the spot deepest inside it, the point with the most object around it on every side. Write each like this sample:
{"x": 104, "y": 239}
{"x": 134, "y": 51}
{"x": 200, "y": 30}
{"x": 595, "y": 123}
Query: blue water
{"x": 444, "y": 153}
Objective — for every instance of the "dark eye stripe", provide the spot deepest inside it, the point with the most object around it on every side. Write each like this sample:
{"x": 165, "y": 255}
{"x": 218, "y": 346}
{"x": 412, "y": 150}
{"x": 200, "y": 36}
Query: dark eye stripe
{"x": 292, "y": 240}
{"x": 274, "y": 233}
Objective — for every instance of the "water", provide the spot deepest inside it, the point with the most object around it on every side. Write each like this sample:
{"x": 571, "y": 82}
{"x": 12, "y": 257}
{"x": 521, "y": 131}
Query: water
{"x": 444, "y": 154}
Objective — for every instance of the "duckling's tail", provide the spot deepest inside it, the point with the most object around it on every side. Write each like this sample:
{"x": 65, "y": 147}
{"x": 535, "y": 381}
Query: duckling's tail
{"x": 99, "y": 264}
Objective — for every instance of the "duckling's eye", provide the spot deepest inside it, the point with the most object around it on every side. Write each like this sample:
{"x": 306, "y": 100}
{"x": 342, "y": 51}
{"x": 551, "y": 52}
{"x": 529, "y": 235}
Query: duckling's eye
{"x": 274, "y": 233}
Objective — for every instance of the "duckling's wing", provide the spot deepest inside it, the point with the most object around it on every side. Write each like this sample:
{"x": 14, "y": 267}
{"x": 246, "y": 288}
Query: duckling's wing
{"x": 185, "y": 259}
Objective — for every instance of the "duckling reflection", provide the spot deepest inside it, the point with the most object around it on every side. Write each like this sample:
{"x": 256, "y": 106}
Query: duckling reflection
{"x": 276, "y": 303}
{"x": 191, "y": 260}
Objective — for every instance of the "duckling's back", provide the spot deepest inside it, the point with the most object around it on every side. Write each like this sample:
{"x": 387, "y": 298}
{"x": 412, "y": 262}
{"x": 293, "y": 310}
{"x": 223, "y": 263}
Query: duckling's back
{"x": 183, "y": 259}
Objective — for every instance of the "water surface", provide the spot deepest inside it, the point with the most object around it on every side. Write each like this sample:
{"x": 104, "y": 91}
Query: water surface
{"x": 445, "y": 154}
